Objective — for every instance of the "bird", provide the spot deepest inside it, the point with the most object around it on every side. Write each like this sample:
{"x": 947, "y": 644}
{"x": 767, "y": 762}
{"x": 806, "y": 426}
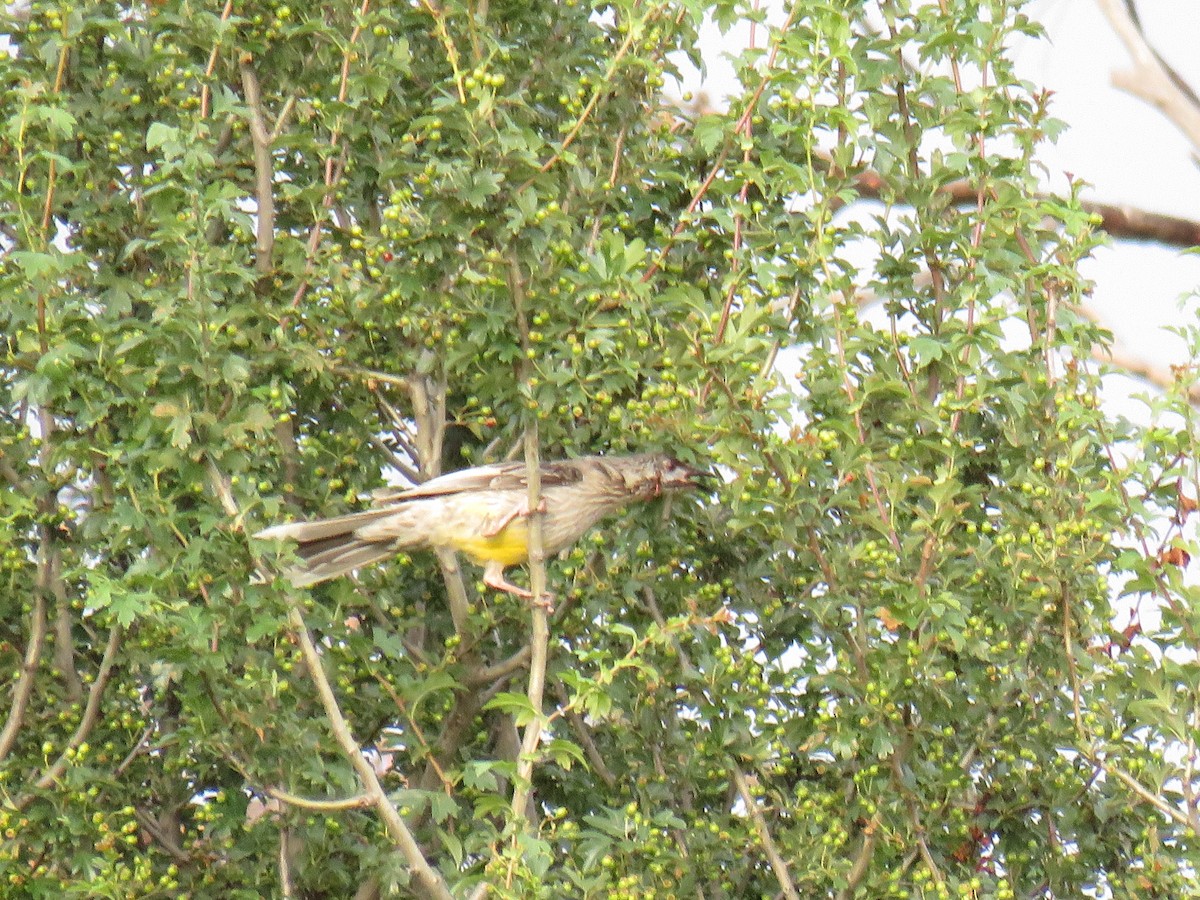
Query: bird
{"x": 482, "y": 512}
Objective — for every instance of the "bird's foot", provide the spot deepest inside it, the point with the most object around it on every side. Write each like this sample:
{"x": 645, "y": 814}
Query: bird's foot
{"x": 493, "y": 577}
{"x": 493, "y": 527}
{"x": 497, "y": 582}
{"x": 540, "y": 508}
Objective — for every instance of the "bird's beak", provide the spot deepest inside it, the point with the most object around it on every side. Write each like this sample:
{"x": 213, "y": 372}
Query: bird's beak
{"x": 685, "y": 476}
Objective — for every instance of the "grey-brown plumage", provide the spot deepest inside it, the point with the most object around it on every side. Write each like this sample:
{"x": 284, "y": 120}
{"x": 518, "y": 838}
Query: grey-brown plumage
{"x": 482, "y": 512}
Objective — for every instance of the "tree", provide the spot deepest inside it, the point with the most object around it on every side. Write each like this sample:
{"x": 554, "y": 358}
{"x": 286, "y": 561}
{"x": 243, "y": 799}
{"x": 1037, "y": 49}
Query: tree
{"x": 260, "y": 258}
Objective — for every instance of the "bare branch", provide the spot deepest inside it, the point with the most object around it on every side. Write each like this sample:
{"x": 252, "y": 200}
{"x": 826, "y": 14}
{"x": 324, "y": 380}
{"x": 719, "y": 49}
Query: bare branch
{"x": 263, "y": 169}
{"x": 502, "y": 669}
{"x": 358, "y": 801}
{"x": 1125, "y": 363}
{"x": 778, "y": 865}
{"x": 23, "y": 689}
{"x": 540, "y": 627}
{"x": 91, "y": 714}
{"x": 1119, "y": 220}
{"x": 1152, "y": 79}
{"x": 426, "y": 876}
{"x": 1137, "y": 224}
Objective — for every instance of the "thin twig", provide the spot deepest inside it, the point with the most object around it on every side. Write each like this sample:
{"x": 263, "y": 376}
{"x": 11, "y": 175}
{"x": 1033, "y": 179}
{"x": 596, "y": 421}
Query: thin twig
{"x": 64, "y": 53}
{"x": 634, "y": 33}
{"x": 416, "y": 729}
{"x": 136, "y": 749}
{"x": 719, "y": 165}
{"x": 580, "y": 727}
{"x": 439, "y": 26}
{"x": 358, "y": 801}
{"x": 335, "y": 163}
{"x": 1149, "y": 796}
{"x": 162, "y": 836}
{"x": 205, "y": 93}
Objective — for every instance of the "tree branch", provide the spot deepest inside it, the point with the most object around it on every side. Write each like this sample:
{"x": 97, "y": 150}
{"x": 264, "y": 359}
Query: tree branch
{"x": 1152, "y": 79}
{"x": 287, "y": 887}
{"x": 358, "y": 801}
{"x": 502, "y": 669}
{"x": 540, "y": 627}
{"x": 862, "y": 859}
{"x": 426, "y": 876}
{"x": 23, "y": 689}
{"x": 1146, "y": 794}
{"x": 1125, "y": 363}
{"x": 778, "y": 865}
{"x": 1121, "y": 221}
{"x": 584, "y": 734}
{"x": 64, "y": 644}
{"x": 263, "y": 170}
{"x": 91, "y": 714}
{"x": 162, "y": 836}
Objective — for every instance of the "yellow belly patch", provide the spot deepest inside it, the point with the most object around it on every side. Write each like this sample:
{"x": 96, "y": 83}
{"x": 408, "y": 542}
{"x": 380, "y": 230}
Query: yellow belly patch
{"x": 509, "y": 547}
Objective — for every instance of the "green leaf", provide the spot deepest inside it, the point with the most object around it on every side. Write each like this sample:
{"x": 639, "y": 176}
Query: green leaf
{"x": 515, "y": 705}
{"x": 37, "y": 265}
{"x": 564, "y": 753}
{"x": 925, "y": 350}
{"x": 161, "y": 135}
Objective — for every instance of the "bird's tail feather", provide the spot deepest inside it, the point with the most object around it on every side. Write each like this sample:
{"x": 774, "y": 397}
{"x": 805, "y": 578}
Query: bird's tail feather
{"x": 315, "y": 530}
{"x": 327, "y": 548}
{"x": 336, "y": 556}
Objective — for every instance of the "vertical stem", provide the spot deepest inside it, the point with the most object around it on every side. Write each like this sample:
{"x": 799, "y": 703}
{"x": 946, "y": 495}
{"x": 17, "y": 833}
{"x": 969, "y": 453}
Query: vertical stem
{"x": 540, "y": 633}
{"x": 540, "y": 628}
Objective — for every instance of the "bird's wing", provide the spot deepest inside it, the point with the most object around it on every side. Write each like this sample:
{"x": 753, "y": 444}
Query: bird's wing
{"x": 497, "y": 477}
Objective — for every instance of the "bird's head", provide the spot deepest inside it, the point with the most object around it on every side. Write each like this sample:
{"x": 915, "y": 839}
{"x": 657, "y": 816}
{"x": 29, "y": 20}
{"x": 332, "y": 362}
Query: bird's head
{"x": 652, "y": 474}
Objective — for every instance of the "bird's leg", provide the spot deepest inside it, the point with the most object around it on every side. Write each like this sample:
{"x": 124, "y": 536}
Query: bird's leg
{"x": 493, "y": 577}
{"x": 521, "y": 510}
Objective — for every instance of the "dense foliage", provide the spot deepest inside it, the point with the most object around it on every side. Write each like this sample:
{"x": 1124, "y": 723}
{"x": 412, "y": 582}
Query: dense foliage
{"x": 258, "y": 259}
